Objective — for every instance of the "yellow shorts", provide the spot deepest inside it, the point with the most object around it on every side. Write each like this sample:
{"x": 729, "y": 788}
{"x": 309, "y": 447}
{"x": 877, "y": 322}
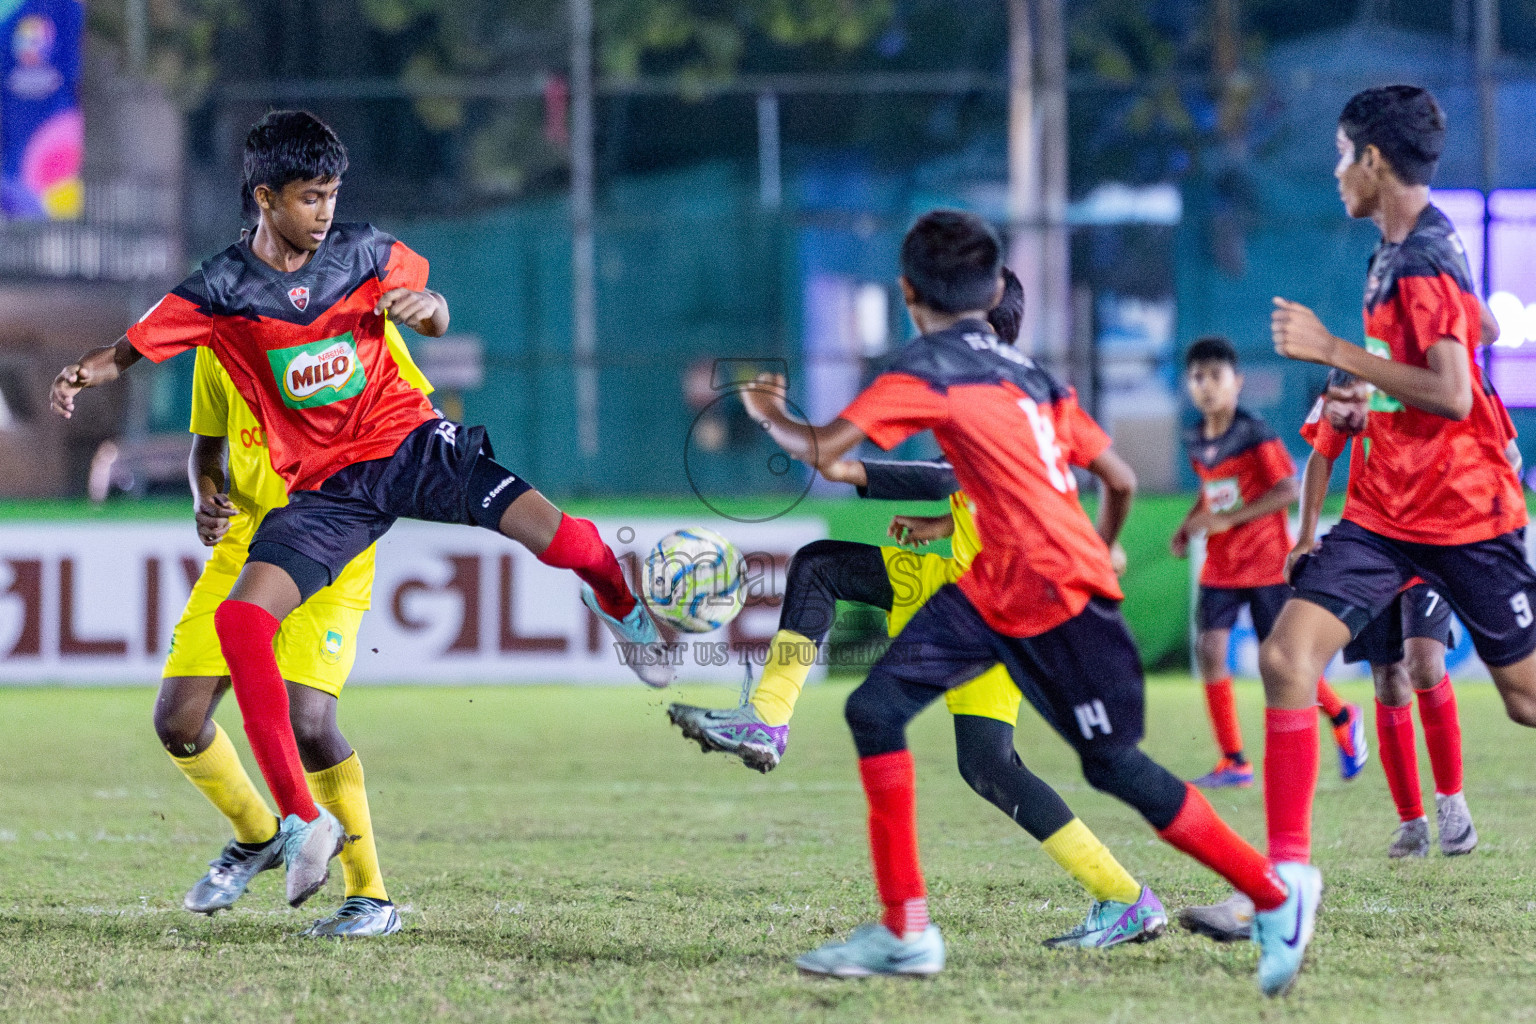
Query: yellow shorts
{"x": 915, "y": 577}
{"x": 316, "y": 647}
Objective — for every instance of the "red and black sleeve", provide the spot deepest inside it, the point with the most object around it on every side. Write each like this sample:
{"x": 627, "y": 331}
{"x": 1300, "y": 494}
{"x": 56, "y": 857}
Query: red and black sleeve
{"x": 1085, "y": 440}
{"x": 894, "y": 407}
{"x": 180, "y": 321}
{"x": 1433, "y": 309}
{"x": 399, "y": 265}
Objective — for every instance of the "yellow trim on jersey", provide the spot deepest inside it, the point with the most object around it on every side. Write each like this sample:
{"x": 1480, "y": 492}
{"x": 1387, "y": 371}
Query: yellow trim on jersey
{"x": 965, "y": 543}
{"x": 914, "y": 579}
{"x": 990, "y": 695}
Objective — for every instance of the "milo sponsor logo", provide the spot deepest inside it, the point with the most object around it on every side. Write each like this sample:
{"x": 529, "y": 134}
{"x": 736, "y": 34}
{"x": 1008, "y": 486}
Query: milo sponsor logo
{"x": 1223, "y": 495}
{"x": 319, "y": 373}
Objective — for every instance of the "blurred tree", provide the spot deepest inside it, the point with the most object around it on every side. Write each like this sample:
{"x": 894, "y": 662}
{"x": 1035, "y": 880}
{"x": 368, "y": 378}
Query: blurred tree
{"x": 501, "y": 146}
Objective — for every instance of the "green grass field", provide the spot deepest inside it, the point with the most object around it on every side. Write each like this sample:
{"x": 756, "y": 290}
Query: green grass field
{"x": 561, "y": 855}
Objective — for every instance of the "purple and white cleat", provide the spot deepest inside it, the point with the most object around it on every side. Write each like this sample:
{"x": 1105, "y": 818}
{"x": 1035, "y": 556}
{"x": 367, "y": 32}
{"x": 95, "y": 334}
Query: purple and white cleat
{"x": 1110, "y": 924}
{"x": 736, "y": 730}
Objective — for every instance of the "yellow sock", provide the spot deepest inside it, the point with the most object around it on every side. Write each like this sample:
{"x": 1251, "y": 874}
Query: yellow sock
{"x": 1082, "y": 856}
{"x": 218, "y": 773}
{"x": 790, "y": 657}
{"x": 339, "y": 789}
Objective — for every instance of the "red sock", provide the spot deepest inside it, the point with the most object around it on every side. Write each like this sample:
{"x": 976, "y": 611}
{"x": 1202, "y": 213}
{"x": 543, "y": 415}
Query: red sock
{"x": 578, "y": 546}
{"x": 1399, "y": 758}
{"x": 1223, "y": 712}
{"x": 1200, "y": 832}
{"x": 1442, "y": 735}
{"x": 890, "y": 784}
{"x": 1290, "y": 777}
{"x": 245, "y": 633}
{"x": 1329, "y": 701}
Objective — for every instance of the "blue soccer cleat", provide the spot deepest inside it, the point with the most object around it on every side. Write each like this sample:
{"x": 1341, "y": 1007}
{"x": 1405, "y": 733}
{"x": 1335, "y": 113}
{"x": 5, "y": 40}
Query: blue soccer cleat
{"x": 1110, "y": 923}
{"x": 230, "y": 873}
{"x": 1227, "y": 774}
{"x": 308, "y": 847}
{"x": 1282, "y": 934}
{"x": 1350, "y": 737}
{"x": 639, "y": 642}
{"x": 875, "y": 949}
{"x": 359, "y": 917}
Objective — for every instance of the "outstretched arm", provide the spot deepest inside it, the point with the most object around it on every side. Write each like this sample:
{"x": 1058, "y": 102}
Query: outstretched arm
{"x": 820, "y": 447}
{"x": 97, "y": 367}
{"x": 847, "y": 471}
{"x": 1443, "y": 388}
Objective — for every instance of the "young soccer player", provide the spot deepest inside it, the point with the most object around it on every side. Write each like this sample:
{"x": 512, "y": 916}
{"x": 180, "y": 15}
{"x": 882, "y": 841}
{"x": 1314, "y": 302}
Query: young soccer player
{"x": 1247, "y": 482}
{"x": 234, "y": 486}
{"x": 1405, "y": 647}
{"x": 296, "y": 316}
{"x": 985, "y": 710}
{"x": 1040, "y": 596}
{"x": 1431, "y": 493}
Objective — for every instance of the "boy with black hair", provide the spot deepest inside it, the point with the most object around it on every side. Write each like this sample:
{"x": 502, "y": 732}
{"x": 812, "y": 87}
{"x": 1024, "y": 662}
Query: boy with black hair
{"x": 1247, "y": 482}
{"x": 899, "y": 581}
{"x": 1040, "y": 596}
{"x": 1431, "y": 493}
{"x": 296, "y": 315}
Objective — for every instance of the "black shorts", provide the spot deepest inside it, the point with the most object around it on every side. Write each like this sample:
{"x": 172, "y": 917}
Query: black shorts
{"x": 1418, "y": 612}
{"x": 441, "y": 473}
{"x": 1084, "y": 677}
{"x": 1217, "y": 607}
{"x": 1355, "y": 574}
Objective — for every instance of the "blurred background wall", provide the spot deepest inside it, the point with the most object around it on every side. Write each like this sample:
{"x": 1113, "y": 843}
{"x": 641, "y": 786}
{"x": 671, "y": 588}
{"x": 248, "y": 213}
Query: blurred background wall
{"x": 751, "y": 168}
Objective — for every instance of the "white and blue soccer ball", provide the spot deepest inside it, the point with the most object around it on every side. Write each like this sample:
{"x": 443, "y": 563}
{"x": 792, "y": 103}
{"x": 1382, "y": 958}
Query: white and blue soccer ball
{"x": 693, "y": 580}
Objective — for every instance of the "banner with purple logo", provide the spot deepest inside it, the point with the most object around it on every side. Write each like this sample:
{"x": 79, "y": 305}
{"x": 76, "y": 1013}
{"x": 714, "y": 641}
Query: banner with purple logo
{"x": 42, "y": 133}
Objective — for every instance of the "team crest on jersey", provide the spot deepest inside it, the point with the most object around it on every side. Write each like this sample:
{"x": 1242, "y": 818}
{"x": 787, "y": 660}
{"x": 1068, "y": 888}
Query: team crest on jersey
{"x": 299, "y": 297}
{"x": 319, "y": 373}
{"x": 332, "y": 646}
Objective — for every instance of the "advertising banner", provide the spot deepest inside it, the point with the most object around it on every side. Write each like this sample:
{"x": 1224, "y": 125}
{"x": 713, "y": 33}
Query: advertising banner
{"x": 96, "y": 602}
{"x": 42, "y": 132}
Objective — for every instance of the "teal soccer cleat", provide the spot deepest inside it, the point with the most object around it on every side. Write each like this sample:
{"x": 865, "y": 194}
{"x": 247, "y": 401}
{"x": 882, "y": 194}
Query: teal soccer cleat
{"x": 875, "y": 949}
{"x": 308, "y": 847}
{"x": 1282, "y": 934}
{"x": 1110, "y": 923}
{"x": 638, "y": 641}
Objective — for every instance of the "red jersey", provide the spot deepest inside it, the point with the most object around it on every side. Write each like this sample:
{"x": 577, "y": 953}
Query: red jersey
{"x": 304, "y": 349}
{"x": 1239, "y": 467}
{"x": 1012, "y": 434}
{"x": 1416, "y": 476}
